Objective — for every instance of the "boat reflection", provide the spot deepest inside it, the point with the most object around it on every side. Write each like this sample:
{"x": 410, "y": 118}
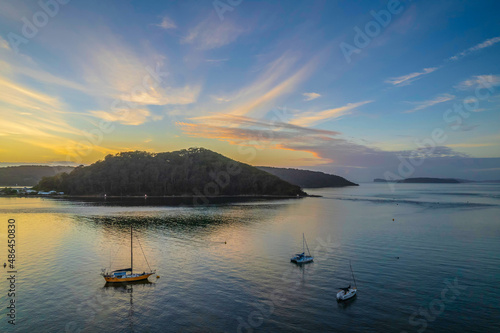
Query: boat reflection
{"x": 347, "y": 303}
{"x": 125, "y": 286}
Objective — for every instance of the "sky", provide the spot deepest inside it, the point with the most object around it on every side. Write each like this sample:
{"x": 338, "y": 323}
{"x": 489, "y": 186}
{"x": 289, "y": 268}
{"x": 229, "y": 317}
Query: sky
{"x": 361, "y": 89}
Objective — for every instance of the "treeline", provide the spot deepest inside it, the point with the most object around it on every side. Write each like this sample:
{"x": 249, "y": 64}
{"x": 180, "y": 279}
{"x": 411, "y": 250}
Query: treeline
{"x": 28, "y": 175}
{"x": 307, "y": 178}
{"x": 195, "y": 171}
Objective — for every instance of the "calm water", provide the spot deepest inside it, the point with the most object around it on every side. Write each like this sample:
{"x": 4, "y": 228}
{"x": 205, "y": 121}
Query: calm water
{"x": 441, "y": 235}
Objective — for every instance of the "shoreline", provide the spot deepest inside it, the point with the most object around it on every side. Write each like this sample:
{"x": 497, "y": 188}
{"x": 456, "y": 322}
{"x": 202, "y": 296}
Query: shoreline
{"x": 63, "y": 196}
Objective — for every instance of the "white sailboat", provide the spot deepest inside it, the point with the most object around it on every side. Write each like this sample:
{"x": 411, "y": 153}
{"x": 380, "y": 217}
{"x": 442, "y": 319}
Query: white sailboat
{"x": 302, "y": 258}
{"x": 347, "y": 293}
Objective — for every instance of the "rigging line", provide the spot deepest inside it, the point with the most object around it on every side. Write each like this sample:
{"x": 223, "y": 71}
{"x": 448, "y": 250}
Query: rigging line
{"x": 113, "y": 257}
{"x": 143, "y": 253}
{"x": 307, "y": 247}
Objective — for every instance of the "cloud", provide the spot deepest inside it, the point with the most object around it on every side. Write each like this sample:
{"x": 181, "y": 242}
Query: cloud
{"x": 310, "y": 96}
{"x": 4, "y": 44}
{"x": 32, "y": 120}
{"x": 24, "y": 97}
{"x": 471, "y": 145}
{"x": 221, "y": 99}
{"x": 480, "y": 46}
{"x": 329, "y": 150}
{"x": 167, "y": 23}
{"x": 30, "y": 70}
{"x": 216, "y": 60}
{"x": 313, "y": 118}
{"x": 211, "y": 34}
{"x": 409, "y": 78}
{"x": 122, "y": 80}
{"x": 279, "y": 77}
{"x": 479, "y": 81}
{"x": 437, "y": 100}
{"x": 263, "y": 134}
{"x": 127, "y": 116}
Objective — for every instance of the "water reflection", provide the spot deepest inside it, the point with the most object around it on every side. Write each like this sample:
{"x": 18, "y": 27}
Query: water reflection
{"x": 223, "y": 262}
{"x": 128, "y": 288}
{"x": 344, "y": 305}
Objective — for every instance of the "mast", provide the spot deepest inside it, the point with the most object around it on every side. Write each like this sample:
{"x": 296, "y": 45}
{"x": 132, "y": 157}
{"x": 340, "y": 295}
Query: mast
{"x": 131, "y": 252}
{"x": 305, "y": 242}
{"x": 353, "y": 275}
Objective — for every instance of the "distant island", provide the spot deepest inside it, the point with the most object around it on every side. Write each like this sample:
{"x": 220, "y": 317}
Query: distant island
{"x": 194, "y": 171}
{"x": 28, "y": 175}
{"x": 424, "y": 180}
{"x": 307, "y": 178}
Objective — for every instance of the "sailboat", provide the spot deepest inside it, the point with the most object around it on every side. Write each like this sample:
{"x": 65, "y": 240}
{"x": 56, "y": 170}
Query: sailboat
{"x": 347, "y": 293}
{"x": 127, "y": 274}
{"x": 301, "y": 258}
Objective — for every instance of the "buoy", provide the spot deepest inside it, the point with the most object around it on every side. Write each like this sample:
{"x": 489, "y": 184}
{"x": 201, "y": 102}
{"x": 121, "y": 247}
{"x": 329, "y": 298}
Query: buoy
{"x": 393, "y": 219}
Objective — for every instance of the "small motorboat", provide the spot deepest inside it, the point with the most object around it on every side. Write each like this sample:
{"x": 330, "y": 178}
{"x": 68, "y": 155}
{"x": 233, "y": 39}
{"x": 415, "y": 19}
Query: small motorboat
{"x": 302, "y": 258}
{"x": 347, "y": 293}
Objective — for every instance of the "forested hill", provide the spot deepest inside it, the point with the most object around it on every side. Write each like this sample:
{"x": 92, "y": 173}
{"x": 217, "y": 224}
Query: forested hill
{"x": 307, "y": 178}
{"x": 195, "y": 171}
{"x": 28, "y": 175}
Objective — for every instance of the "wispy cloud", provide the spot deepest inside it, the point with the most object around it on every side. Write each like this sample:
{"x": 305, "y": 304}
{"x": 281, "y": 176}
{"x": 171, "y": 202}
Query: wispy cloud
{"x": 211, "y": 34}
{"x": 33, "y": 120}
{"x": 30, "y": 71}
{"x": 216, "y": 60}
{"x": 279, "y": 78}
{"x": 313, "y": 118}
{"x": 238, "y": 130}
{"x": 221, "y": 99}
{"x": 310, "y": 96}
{"x": 471, "y": 145}
{"x": 119, "y": 75}
{"x": 425, "y": 104}
{"x": 479, "y": 80}
{"x": 409, "y": 78}
{"x": 126, "y": 116}
{"x": 167, "y": 23}
{"x": 4, "y": 44}
{"x": 24, "y": 97}
{"x": 480, "y": 46}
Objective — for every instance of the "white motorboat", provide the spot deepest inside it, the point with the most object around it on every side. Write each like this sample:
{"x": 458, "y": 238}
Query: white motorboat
{"x": 347, "y": 293}
{"x": 302, "y": 258}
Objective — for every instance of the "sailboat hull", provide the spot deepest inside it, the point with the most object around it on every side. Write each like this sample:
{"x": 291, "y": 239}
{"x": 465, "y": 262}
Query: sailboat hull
{"x": 344, "y": 296}
{"x": 302, "y": 260}
{"x": 127, "y": 278}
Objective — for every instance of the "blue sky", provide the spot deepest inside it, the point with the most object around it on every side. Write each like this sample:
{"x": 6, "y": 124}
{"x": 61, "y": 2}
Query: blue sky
{"x": 263, "y": 82}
